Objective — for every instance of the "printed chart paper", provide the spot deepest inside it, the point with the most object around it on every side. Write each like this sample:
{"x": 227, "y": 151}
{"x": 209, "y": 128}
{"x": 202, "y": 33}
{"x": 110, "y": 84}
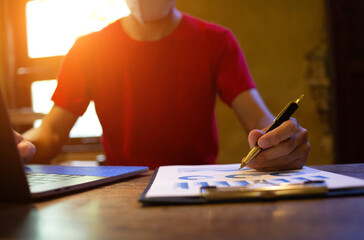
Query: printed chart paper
{"x": 187, "y": 180}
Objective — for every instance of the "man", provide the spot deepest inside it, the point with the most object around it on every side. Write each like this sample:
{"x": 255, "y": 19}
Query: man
{"x": 154, "y": 76}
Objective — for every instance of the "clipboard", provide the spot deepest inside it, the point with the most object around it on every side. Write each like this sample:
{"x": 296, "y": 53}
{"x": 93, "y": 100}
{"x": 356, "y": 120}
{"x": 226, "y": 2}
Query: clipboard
{"x": 167, "y": 200}
{"x": 305, "y": 189}
{"x": 213, "y": 194}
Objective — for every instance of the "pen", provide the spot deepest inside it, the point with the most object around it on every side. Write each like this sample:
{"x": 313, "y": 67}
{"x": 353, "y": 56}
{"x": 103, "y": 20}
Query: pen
{"x": 283, "y": 116}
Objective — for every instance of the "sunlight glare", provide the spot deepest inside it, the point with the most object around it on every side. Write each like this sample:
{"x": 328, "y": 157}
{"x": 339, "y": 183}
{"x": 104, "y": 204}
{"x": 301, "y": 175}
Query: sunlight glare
{"x": 86, "y": 126}
{"x": 54, "y": 25}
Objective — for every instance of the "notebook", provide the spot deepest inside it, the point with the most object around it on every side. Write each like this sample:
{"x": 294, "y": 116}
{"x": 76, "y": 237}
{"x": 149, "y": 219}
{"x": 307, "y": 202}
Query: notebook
{"x": 21, "y": 182}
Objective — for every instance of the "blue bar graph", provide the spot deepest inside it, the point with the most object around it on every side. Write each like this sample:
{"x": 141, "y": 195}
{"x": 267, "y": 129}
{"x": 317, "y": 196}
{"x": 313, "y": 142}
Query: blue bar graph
{"x": 281, "y": 180}
{"x": 321, "y": 177}
{"x": 302, "y": 179}
{"x": 182, "y": 185}
{"x": 202, "y": 184}
{"x": 242, "y": 183}
{"x": 222, "y": 183}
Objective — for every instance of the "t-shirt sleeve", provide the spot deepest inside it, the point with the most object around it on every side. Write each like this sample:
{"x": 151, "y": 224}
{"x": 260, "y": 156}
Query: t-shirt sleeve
{"x": 233, "y": 76}
{"x": 72, "y": 91}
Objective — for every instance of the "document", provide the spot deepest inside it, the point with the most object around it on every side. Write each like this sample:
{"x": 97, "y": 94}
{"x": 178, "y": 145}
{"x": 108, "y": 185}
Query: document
{"x": 187, "y": 180}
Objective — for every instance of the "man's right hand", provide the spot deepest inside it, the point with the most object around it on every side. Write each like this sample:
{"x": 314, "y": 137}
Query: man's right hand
{"x": 26, "y": 149}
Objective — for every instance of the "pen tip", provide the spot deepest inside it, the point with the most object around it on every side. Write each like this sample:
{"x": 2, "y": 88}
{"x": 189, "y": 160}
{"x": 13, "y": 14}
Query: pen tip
{"x": 242, "y": 164}
{"x": 299, "y": 100}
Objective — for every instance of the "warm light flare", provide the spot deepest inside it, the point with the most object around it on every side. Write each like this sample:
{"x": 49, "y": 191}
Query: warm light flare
{"x": 54, "y": 25}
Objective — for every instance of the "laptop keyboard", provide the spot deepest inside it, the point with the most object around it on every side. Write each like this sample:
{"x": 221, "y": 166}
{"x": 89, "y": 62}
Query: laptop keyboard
{"x": 43, "y": 178}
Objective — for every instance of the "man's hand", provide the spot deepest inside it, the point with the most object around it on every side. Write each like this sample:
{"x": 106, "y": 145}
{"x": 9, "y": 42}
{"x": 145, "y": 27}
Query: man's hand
{"x": 26, "y": 149}
{"x": 285, "y": 147}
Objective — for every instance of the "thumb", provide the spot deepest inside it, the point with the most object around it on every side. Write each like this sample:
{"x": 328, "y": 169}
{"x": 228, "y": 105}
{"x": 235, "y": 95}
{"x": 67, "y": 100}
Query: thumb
{"x": 18, "y": 137}
{"x": 253, "y": 137}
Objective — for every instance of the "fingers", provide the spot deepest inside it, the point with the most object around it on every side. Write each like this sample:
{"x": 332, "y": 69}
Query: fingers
{"x": 288, "y": 148}
{"x": 278, "y": 135}
{"x": 26, "y": 149}
{"x": 253, "y": 137}
{"x": 18, "y": 137}
{"x": 294, "y": 160}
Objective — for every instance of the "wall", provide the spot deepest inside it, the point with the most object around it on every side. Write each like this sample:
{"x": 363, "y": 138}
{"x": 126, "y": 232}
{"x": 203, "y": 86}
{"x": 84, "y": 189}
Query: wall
{"x": 2, "y": 54}
{"x": 276, "y": 36}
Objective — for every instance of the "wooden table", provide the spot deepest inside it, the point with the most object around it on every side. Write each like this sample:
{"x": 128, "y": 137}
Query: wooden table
{"x": 113, "y": 212}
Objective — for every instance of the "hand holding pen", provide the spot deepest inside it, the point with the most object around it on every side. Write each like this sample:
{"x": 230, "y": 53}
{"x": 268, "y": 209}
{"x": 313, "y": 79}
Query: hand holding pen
{"x": 282, "y": 145}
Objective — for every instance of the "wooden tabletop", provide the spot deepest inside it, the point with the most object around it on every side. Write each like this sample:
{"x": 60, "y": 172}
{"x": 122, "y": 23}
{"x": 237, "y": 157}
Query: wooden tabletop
{"x": 113, "y": 212}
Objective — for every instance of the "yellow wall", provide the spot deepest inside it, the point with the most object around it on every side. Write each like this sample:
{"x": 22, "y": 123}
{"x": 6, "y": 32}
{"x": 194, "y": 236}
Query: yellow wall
{"x": 275, "y": 36}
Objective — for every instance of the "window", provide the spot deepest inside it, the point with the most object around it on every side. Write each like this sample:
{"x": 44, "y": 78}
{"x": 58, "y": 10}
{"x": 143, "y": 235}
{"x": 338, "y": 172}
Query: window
{"x": 39, "y": 34}
{"x": 50, "y": 33}
{"x": 54, "y": 25}
{"x": 86, "y": 126}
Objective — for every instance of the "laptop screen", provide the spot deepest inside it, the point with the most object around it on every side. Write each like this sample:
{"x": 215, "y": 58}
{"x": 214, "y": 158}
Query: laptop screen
{"x": 13, "y": 183}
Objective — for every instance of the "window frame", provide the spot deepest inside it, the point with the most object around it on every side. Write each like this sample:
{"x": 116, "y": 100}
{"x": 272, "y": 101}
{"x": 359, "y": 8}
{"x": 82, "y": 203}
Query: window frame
{"x": 22, "y": 71}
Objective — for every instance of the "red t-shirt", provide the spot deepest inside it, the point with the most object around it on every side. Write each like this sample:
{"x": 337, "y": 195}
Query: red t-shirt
{"x": 155, "y": 100}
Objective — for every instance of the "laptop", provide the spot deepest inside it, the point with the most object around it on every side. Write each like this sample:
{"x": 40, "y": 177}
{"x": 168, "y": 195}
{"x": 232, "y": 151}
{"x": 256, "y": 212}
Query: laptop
{"x": 20, "y": 182}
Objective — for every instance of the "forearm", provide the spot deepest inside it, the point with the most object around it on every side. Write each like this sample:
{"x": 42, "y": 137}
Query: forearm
{"x": 47, "y": 145}
{"x": 251, "y": 111}
{"x": 51, "y": 135}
